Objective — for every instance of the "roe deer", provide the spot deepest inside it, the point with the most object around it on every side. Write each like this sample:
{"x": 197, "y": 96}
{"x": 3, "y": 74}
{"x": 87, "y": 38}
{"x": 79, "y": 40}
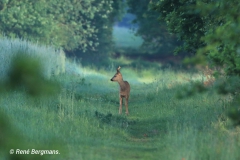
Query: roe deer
{"x": 124, "y": 90}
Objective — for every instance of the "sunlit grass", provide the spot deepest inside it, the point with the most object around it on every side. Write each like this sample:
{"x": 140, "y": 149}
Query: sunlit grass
{"x": 83, "y": 117}
{"x": 121, "y": 60}
{"x": 159, "y": 125}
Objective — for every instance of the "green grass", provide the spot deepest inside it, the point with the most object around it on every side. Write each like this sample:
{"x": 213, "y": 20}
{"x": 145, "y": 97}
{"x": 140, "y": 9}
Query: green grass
{"x": 82, "y": 120}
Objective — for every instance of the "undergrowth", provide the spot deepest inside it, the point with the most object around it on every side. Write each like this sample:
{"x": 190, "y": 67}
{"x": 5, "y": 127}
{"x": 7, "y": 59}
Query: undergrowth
{"x": 82, "y": 120}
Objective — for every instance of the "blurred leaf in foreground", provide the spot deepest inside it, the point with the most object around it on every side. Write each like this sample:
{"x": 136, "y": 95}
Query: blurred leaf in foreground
{"x": 26, "y": 74}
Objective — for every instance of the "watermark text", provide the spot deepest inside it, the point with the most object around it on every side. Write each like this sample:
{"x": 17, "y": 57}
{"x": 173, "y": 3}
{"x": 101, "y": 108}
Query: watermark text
{"x": 33, "y": 151}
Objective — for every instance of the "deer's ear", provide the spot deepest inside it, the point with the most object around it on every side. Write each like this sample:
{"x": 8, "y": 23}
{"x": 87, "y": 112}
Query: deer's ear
{"x": 118, "y": 69}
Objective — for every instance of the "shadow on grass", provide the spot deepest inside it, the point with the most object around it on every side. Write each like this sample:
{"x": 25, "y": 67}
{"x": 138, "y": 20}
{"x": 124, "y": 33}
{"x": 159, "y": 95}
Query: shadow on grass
{"x": 136, "y": 128}
{"x": 149, "y": 128}
{"x": 116, "y": 121}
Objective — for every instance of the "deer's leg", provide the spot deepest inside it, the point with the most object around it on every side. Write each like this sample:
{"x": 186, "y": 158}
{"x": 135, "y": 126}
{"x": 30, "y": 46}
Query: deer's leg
{"x": 126, "y": 104}
{"x": 120, "y": 104}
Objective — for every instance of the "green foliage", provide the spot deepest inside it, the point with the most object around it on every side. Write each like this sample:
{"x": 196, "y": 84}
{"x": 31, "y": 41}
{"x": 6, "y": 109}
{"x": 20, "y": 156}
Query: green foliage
{"x": 26, "y": 73}
{"x": 223, "y": 38}
{"x": 111, "y": 10}
{"x": 234, "y": 114}
{"x": 191, "y": 90}
{"x": 85, "y": 117}
{"x": 210, "y": 30}
{"x": 197, "y": 59}
{"x": 24, "y": 19}
{"x": 222, "y": 45}
{"x": 183, "y": 21}
{"x": 157, "y": 39}
{"x": 231, "y": 85}
{"x": 84, "y": 25}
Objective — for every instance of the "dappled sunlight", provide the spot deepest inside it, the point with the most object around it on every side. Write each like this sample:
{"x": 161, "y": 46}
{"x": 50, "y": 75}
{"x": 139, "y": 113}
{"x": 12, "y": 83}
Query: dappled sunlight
{"x": 145, "y": 80}
{"x": 129, "y": 74}
{"x": 135, "y": 76}
{"x": 73, "y": 68}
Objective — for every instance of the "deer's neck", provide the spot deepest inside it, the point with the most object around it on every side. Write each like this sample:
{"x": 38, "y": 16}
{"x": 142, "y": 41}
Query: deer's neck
{"x": 122, "y": 85}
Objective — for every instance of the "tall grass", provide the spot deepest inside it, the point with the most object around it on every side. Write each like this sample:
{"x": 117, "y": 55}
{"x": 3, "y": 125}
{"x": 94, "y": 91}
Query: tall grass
{"x": 83, "y": 118}
{"x": 53, "y": 61}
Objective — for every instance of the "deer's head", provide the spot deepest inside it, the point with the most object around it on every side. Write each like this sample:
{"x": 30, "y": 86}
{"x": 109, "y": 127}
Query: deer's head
{"x": 117, "y": 76}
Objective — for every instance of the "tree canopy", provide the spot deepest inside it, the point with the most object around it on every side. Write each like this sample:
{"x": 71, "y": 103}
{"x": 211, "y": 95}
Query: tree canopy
{"x": 70, "y": 24}
{"x": 210, "y": 30}
{"x": 157, "y": 39}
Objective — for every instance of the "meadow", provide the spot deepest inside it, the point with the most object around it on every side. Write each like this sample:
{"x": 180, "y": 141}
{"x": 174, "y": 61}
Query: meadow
{"x": 124, "y": 37}
{"x": 81, "y": 121}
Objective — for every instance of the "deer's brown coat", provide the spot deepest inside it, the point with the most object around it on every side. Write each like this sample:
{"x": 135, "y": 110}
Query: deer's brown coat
{"x": 124, "y": 90}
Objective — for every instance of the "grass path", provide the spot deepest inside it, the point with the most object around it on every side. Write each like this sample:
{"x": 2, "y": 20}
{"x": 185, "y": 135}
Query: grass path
{"x": 83, "y": 119}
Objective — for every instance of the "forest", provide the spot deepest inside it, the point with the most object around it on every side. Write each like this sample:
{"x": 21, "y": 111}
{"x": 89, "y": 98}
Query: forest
{"x": 180, "y": 57}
